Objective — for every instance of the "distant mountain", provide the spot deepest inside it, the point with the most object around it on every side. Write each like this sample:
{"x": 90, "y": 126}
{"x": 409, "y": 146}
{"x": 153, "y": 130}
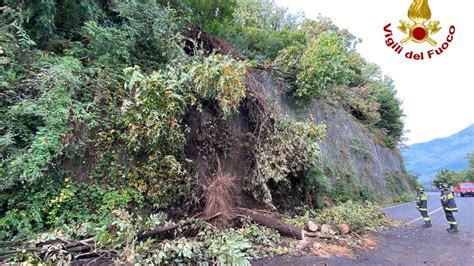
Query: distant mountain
{"x": 426, "y": 158}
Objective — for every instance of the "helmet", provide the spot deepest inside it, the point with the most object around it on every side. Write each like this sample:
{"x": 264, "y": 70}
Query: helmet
{"x": 420, "y": 189}
{"x": 444, "y": 185}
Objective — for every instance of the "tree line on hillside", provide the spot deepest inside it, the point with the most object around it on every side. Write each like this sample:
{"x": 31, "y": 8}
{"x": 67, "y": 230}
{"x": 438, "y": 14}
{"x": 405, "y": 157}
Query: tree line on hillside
{"x": 452, "y": 177}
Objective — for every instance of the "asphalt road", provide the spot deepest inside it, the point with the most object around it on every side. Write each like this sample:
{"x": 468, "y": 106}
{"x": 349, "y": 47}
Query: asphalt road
{"x": 408, "y": 213}
{"x": 412, "y": 244}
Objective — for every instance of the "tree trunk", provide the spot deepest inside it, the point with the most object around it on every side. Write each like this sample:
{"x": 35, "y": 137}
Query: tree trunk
{"x": 265, "y": 220}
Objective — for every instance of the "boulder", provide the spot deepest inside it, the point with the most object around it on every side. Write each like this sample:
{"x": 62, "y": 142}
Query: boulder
{"x": 325, "y": 229}
{"x": 312, "y": 226}
{"x": 343, "y": 228}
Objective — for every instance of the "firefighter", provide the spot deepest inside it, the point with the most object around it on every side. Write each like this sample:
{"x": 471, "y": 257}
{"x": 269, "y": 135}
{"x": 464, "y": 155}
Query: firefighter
{"x": 449, "y": 206}
{"x": 422, "y": 206}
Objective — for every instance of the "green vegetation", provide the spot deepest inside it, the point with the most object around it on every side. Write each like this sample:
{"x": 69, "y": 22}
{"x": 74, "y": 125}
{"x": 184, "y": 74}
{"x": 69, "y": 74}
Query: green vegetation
{"x": 469, "y": 174}
{"x": 97, "y": 100}
{"x": 447, "y": 176}
{"x": 210, "y": 245}
{"x": 291, "y": 149}
{"x": 347, "y": 188}
{"x": 360, "y": 216}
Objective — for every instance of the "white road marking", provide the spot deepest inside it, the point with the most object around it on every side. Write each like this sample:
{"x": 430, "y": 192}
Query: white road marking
{"x": 400, "y": 205}
{"x": 428, "y": 215}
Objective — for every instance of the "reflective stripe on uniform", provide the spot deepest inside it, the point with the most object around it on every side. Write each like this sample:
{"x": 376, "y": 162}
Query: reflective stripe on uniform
{"x": 422, "y": 209}
{"x": 427, "y": 219}
{"x": 455, "y": 223}
{"x": 450, "y": 196}
{"x": 451, "y": 209}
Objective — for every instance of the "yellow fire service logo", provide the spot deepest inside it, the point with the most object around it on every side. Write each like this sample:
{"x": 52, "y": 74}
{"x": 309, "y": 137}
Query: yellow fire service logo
{"x": 419, "y": 30}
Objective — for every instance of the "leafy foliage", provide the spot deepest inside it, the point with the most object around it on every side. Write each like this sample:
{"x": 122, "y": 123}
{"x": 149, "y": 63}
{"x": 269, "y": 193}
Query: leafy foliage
{"x": 469, "y": 175}
{"x": 289, "y": 148}
{"x": 327, "y": 67}
{"x": 259, "y": 28}
{"x": 221, "y": 78}
{"x": 151, "y": 117}
{"x": 391, "y": 114}
{"x": 231, "y": 246}
{"x": 360, "y": 216}
{"x": 60, "y": 202}
{"x": 447, "y": 176}
{"x": 210, "y": 10}
{"x": 34, "y": 127}
{"x": 322, "y": 65}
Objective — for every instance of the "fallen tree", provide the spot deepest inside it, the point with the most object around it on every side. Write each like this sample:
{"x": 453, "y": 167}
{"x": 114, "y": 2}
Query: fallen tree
{"x": 88, "y": 250}
{"x": 270, "y": 222}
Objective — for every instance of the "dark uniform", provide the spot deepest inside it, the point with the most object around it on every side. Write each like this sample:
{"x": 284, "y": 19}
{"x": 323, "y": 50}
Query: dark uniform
{"x": 449, "y": 206}
{"x": 422, "y": 206}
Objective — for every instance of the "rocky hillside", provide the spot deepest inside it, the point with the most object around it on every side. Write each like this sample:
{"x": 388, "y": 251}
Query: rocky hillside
{"x": 425, "y": 159}
{"x": 348, "y": 148}
{"x": 349, "y": 155}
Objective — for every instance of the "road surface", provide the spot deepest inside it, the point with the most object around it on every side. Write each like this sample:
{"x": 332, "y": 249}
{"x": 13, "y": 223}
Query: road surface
{"x": 410, "y": 245}
{"x": 408, "y": 212}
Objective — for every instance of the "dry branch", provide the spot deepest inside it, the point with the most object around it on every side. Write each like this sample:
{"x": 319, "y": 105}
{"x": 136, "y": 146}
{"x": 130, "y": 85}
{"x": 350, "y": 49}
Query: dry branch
{"x": 10, "y": 252}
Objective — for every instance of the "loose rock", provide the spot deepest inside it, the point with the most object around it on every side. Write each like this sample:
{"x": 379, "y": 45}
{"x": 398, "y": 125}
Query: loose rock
{"x": 343, "y": 228}
{"x": 325, "y": 228}
{"x": 312, "y": 226}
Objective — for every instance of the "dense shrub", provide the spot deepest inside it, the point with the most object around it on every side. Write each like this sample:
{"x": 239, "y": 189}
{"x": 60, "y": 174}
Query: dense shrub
{"x": 258, "y": 28}
{"x": 326, "y": 68}
{"x": 391, "y": 114}
{"x": 220, "y": 78}
{"x": 59, "y": 202}
{"x": 288, "y": 148}
{"x": 322, "y": 65}
{"x": 447, "y": 176}
{"x": 34, "y": 127}
{"x": 360, "y": 216}
{"x": 314, "y": 188}
{"x": 469, "y": 174}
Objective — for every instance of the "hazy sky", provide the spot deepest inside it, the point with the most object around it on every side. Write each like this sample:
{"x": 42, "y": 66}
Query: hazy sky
{"x": 437, "y": 94}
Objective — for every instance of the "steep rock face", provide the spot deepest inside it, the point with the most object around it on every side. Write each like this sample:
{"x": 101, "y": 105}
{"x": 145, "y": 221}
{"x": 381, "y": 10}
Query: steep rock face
{"x": 348, "y": 147}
